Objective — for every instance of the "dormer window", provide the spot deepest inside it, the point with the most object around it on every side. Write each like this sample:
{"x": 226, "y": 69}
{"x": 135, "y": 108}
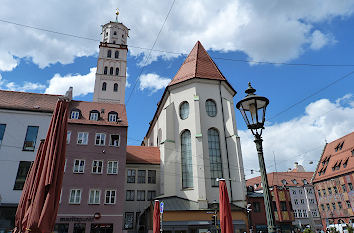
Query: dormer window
{"x": 112, "y": 117}
{"x": 304, "y": 181}
{"x": 75, "y": 114}
{"x": 294, "y": 181}
{"x": 345, "y": 163}
{"x": 283, "y": 182}
{"x": 94, "y": 115}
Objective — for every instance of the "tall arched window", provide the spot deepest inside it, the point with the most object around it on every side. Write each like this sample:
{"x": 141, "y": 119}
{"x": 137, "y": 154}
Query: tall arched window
{"x": 109, "y": 53}
{"x": 115, "y": 87}
{"x": 111, "y": 71}
{"x": 105, "y": 70}
{"x": 104, "y": 86}
{"x": 116, "y": 54}
{"x": 117, "y": 71}
{"x": 186, "y": 157}
{"x": 214, "y": 156}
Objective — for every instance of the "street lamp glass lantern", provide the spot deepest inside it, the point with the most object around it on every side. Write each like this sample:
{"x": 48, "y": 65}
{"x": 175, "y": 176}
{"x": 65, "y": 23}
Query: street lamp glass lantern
{"x": 253, "y": 108}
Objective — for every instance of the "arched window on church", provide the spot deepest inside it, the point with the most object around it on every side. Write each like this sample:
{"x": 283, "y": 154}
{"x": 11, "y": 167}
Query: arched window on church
{"x": 115, "y": 87}
{"x": 214, "y": 156}
{"x": 104, "y": 86}
{"x": 105, "y": 70}
{"x": 117, "y": 71}
{"x": 116, "y": 54}
{"x": 186, "y": 157}
{"x": 111, "y": 71}
{"x": 114, "y": 33}
{"x": 109, "y": 53}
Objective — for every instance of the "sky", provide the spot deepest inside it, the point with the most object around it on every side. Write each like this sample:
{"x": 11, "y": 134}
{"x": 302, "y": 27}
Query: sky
{"x": 299, "y": 54}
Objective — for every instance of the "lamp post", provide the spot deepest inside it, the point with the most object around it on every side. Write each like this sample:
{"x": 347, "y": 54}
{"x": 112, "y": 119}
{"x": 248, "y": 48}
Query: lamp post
{"x": 253, "y": 108}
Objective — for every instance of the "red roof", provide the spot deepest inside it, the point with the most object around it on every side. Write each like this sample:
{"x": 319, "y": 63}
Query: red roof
{"x": 103, "y": 109}
{"x": 198, "y": 64}
{"x": 27, "y": 101}
{"x": 337, "y": 159}
{"x": 276, "y": 178}
{"x": 143, "y": 154}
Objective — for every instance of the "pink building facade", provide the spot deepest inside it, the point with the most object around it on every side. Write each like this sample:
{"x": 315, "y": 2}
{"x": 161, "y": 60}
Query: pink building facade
{"x": 92, "y": 196}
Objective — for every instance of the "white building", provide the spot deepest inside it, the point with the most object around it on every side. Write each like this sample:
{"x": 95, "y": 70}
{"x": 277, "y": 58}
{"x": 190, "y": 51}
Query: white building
{"x": 24, "y": 121}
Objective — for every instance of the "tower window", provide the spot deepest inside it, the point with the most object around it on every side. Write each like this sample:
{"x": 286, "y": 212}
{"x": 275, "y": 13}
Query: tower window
{"x": 184, "y": 110}
{"x": 115, "y": 87}
{"x": 114, "y": 33}
{"x": 122, "y": 36}
{"x": 116, "y": 54}
{"x": 111, "y": 71}
{"x": 105, "y": 70}
{"x": 214, "y": 156}
{"x": 109, "y": 53}
{"x": 114, "y": 42}
{"x": 117, "y": 71}
{"x": 106, "y": 33}
{"x": 104, "y": 86}
{"x": 210, "y": 107}
{"x": 186, "y": 157}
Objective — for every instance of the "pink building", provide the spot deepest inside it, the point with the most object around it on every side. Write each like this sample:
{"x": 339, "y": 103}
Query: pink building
{"x": 92, "y": 195}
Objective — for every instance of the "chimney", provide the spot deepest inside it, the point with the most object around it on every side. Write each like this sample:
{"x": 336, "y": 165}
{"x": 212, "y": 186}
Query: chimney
{"x": 69, "y": 93}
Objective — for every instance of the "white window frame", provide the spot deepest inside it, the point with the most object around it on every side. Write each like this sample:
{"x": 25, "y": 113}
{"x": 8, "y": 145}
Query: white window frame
{"x": 83, "y": 136}
{"x": 68, "y": 135}
{"x": 79, "y": 170}
{"x": 75, "y": 115}
{"x": 76, "y": 191}
{"x": 110, "y": 171}
{"x": 112, "y": 117}
{"x": 94, "y": 197}
{"x": 110, "y": 196}
{"x": 93, "y": 116}
{"x": 138, "y": 198}
{"x": 99, "y": 137}
{"x": 97, "y": 172}
{"x": 110, "y": 140}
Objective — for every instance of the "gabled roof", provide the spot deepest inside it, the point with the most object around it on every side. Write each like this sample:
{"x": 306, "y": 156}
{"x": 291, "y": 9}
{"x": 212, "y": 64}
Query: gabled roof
{"x": 27, "y": 101}
{"x": 337, "y": 159}
{"x": 143, "y": 155}
{"x": 198, "y": 64}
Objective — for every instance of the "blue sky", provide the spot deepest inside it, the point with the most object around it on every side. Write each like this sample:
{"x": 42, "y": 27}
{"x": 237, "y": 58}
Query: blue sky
{"x": 239, "y": 30}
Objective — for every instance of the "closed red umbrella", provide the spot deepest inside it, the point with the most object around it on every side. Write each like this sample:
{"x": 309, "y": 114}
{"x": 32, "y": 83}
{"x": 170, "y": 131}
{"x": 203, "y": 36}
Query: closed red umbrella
{"x": 39, "y": 202}
{"x": 225, "y": 209}
{"x": 156, "y": 218}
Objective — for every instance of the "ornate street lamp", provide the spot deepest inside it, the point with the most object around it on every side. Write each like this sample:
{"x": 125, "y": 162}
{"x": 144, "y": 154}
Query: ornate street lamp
{"x": 253, "y": 108}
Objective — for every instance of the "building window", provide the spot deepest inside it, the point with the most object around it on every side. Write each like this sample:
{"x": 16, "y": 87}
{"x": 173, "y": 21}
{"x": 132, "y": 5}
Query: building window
{"x": 294, "y": 181}
{"x": 304, "y": 213}
{"x": 302, "y": 201}
{"x": 335, "y": 189}
{"x": 128, "y": 220}
{"x": 31, "y": 138}
{"x": 186, "y": 157}
{"x": 75, "y": 114}
{"x": 334, "y": 206}
{"x": 112, "y": 167}
{"x": 184, "y": 110}
{"x": 295, "y": 213}
{"x": 75, "y": 196}
{"x": 294, "y": 192}
{"x": 283, "y": 206}
{"x": 151, "y": 195}
{"x": 114, "y": 42}
{"x": 319, "y": 193}
{"x": 284, "y": 182}
{"x": 114, "y": 140}
{"x": 309, "y": 191}
{"x": 322, "y": 206}
{"x": 296, "y": 201}
{"x": 348, "y": 204}
{"x": 130, "y": 195}
{"x": 2, "y": 132}
{"x": 111, "y": 71}
{"x": 256, "y": 207}
{"x": 68, "y": 135}
{"x": 324, "y": 192}
{"x": 79, "y": 227}
{"x": 112, "y": 116}
{"x": 115, "y": 87}
{"x": 300, "y": 191}
{"x": 79, "y": 166}
{"x": 312, "y": 201}
{"x": 344, "y": 188}
{"x": 104, "y": 86}
{"x": 350, "y": 186}
{"x": 140, "y": 195}
{"x": 328, "y": 208}
{"x": 100, "y": 139}
{"x": 131, "y": 176}
{"x": 214, "y": 156}
{"x": 22, "y": 171}
{"x": 151, "y": 176}
{"x": 82, "y": 138}
{"x": 300, "y": 214}
{"x": 116, "y": 54}
{"x": 110, "y": 197}
{"x": 141, "y": 176}
{"x": 210, "y": 107}
{"x": 117, "y": 71}
{"x": 304, "y": 181}
{"x": 340, "y": 205}
{"x": 97, "y": 166}
{"x": 95, "y": 196}
{"x": 109, "y": 53}
{"x": 329, "y": 191}
{"x": 105, "y": 70}
{"x": 94, "y": 115}
{"x": 61, "y": 228}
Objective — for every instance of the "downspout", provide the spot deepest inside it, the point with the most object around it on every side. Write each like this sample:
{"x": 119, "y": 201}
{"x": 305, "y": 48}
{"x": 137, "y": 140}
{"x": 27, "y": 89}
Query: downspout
{"x": 227, "y": 151}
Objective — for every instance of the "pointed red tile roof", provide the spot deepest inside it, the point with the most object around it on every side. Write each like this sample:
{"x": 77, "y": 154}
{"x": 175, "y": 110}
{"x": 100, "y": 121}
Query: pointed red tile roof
{"x": 198, "y": 64}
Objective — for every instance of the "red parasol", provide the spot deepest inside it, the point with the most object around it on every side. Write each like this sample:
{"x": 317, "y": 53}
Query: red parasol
{"x": 225, "y": 209}
{"x": 39, "y": 202}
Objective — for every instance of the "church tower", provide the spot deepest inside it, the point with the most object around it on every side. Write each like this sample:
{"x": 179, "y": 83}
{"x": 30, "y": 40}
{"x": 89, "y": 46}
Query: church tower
{"x": 112, "y": 64}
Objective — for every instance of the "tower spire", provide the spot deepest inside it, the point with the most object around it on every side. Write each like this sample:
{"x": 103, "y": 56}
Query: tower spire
{"x": 117, "y": 13}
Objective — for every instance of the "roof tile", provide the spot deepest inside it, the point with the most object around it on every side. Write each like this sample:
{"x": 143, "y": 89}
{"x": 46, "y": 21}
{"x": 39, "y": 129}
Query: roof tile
{"x": 143, "y": 154}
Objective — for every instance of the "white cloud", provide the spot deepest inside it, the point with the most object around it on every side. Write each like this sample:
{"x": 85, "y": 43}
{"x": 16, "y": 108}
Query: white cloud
{"x": 153, "y": 82}
{"x": 272, "y": 30}
{"x": 127, "y": 84}
{"x": 301, "y": 139}
{"x": 82, "y": 84}
{"x": 26, "y": 86}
